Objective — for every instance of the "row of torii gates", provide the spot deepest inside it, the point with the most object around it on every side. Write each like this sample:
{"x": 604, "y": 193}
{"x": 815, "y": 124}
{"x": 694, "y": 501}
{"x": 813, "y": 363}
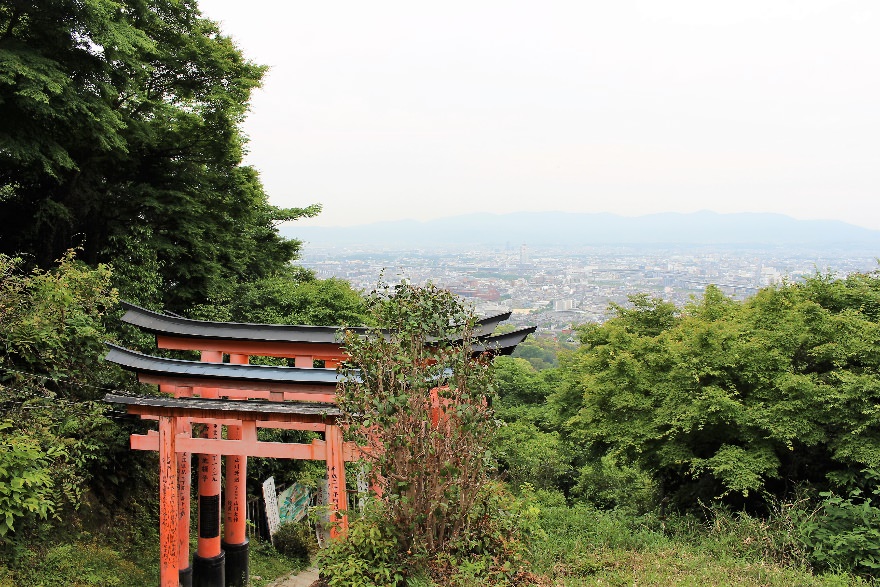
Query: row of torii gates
{"x": 223, "y": 392}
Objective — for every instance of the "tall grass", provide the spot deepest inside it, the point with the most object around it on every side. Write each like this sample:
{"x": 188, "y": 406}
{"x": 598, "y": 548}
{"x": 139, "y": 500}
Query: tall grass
{"x": 583, "y": 546}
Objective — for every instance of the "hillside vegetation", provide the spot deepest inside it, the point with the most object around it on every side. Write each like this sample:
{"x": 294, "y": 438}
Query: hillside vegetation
{"x": 754, "y": 418}
{"x": 725, "y": 443}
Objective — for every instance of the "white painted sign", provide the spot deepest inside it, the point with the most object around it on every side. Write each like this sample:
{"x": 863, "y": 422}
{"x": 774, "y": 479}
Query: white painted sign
{"x": 273, "y": 516}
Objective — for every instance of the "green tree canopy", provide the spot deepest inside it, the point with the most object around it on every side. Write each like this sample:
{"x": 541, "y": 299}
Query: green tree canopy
{"x": 52, "y": 431}
{"x": 732, "y": 398}
{"x": 120, "y": 135}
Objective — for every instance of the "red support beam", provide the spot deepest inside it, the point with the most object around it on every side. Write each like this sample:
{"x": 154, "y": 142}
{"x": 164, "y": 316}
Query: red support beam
{"x": 310, "y": 426}
{"x": 288, "y": 350}
{"x": 316, "y": 451}
{"x": 209, "y": 495}
{"x": 302, "y": 392}
{"x": 184, "y": 485}
{"x": 196, "y": 413}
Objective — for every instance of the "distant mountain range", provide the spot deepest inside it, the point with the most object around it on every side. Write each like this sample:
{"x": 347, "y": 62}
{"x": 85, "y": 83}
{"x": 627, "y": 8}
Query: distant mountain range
{"x": 570, "y": 229}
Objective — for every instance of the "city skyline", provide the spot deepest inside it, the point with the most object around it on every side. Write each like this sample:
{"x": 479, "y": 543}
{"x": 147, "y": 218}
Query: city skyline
{"x": 558, "y": 287}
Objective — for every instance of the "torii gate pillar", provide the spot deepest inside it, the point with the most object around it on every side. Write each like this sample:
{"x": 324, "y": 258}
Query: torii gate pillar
{"x": 235, "y": 541}
{"x": 168, "y": 503}
{"x": 337, "y": 499}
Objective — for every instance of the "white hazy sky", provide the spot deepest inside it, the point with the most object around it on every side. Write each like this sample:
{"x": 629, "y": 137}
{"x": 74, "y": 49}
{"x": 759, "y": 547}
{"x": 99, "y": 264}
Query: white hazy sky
{"x": 384, "y": 110}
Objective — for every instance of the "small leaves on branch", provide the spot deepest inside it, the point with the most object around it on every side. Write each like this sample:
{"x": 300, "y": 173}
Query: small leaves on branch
{"x": 416, "y": 398}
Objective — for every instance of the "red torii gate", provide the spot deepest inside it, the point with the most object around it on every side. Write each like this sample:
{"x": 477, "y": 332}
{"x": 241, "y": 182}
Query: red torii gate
{"x": 174, "y": 446}
{"x": 205, "y": 381}
{"x": 219, "y": 563}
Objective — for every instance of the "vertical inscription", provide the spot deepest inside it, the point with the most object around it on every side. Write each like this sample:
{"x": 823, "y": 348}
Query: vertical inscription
{"x": 233, "y": 464}
{"x": 168, "y": 506}
{"x": 336, "y": 481}
{"x": 334, "y": 486}
{"x": 182, "y": 485}
{"x": 183, "y": 489}
{"x": 168, "y": 515}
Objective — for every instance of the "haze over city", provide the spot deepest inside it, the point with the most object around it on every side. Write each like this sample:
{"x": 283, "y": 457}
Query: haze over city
{"x": 393, "y": 110}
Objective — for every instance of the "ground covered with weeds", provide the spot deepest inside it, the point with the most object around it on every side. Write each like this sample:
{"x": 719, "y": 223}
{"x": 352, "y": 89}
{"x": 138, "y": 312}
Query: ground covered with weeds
{"x": 582, "y": 546}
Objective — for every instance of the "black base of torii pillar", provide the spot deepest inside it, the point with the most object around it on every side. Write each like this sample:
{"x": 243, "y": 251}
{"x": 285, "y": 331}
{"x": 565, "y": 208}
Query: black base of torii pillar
{"x": 209, "y": 572}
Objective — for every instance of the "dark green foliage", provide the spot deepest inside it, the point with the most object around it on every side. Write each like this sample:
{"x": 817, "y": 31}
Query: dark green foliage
{"x": 368, "y": 557}
{"x": 53, "y": 327}
{"x": 528, "y": 446}
{"x": 733, "y": 399}
{"x": 121, "y": 135}
{"x": 528, "y": 455}
{"x": 293, "y": 296}
{"x": 542, "y": 353}
{"x": 608, "y": 484}
{"x": 295, "y": 540}
{"x": 844, "y": 533}
{"x": 67, "y": 474}
{"x": 81, "y": 565}
{"x": 738, "y": 404}
{"x": 51, "y": 341}
{"x": 25, "y": 478}
{"x": 522, "y": 387}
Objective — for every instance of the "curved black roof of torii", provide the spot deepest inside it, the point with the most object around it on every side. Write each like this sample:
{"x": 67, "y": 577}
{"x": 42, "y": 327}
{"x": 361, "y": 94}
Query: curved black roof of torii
{"x": 258, "y": 375}
{"x": 164, "y": 324}
{"x": 502, "y": 344}
{"x": 260, "y": 407}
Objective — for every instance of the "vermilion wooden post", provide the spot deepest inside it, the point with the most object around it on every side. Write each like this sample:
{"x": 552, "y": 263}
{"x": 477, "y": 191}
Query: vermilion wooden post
{"x": 209, "y": 563}
{"x": 235, "y": 542}
{"x": 338, "y": 500}
{"x": 168, "y": 502}
{"x": 184, "y": 488}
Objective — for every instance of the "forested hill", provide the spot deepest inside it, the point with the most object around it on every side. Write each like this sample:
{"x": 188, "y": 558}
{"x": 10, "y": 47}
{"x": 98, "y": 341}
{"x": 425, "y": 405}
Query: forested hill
{"x": 121, "y": 177}
{"x": 569, "y": 229}
{"x": 120, "y": 137}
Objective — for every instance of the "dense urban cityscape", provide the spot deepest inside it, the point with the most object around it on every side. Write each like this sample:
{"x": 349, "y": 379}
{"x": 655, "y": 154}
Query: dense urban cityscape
{"x": 557, "y": 288}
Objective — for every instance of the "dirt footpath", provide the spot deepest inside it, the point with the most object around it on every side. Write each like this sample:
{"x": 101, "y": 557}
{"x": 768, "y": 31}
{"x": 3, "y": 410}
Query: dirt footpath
{"x": 302, "y": 579}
